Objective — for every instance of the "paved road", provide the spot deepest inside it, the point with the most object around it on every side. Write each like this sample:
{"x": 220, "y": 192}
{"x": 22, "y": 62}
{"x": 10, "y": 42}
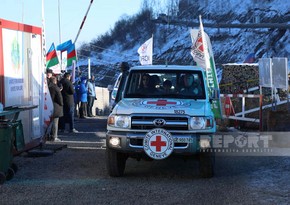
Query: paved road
{"x": 77, "y": 175}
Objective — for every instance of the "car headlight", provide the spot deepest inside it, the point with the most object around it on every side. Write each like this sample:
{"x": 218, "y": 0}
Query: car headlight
{"x": 197, "y": 123}
{"x": 121, "y": 121}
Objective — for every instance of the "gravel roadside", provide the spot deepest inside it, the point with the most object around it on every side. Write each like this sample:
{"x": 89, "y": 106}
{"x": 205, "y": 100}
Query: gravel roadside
{"x": 76, "y": 174}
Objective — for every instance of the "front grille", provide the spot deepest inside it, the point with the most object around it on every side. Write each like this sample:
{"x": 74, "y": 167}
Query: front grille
{"x": 172, "y": 122}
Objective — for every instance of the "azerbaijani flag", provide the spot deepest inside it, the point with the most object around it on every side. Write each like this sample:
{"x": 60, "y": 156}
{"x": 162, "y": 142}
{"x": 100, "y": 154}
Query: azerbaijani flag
{"x": 64, "y": 46}
{"x": 71, "y": 55}
{"x": 51, "y": 57}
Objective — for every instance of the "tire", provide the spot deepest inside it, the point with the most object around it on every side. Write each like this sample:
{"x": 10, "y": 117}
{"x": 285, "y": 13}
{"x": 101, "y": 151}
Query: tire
{"x": 206, "y": 164}
{"x": 2, "y": 178}
{"x": 10, "y": 174}
{"x": 116, "y": 162}
{"x": 14, "y": 167}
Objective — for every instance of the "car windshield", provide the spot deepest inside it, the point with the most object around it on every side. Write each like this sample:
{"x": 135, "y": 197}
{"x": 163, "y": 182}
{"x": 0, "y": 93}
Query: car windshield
{"x": 165, "y": 84}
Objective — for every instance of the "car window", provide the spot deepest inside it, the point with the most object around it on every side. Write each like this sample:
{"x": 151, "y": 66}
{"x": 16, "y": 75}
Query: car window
{"x": 165, "y": 84}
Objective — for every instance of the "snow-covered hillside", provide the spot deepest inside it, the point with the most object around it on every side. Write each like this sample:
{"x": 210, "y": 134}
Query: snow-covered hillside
{"x": 230, "y": 45}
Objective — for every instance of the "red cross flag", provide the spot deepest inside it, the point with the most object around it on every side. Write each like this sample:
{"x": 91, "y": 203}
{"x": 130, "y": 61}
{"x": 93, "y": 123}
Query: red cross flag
{"x": 145, "y": 52}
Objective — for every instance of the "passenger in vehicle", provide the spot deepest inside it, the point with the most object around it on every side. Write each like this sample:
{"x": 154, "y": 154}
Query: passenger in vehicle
{"x": 155, "y": 80}
{"x": 147, "y": 86}
{"x": 191, "y": 87}
{"x": 167, "y": 84}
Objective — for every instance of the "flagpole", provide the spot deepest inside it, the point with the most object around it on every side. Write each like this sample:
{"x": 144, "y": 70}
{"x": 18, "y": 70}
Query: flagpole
{"x": 43, "y": 78}
{"x": 152, "y": 49}
{"x": 59, "y": 27}
{"x": 206, "y": 55}
{"x": 43, "y": 36}
{"x": 205, "y": 48}
{"x": 59, "y": 35}
{"x": 22, "y": 11}
{"x": 82, "y": 24}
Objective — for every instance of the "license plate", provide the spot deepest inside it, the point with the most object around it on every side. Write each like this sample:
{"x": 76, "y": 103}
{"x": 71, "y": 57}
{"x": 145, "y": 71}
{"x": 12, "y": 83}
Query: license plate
{"x": 183, "y": 140}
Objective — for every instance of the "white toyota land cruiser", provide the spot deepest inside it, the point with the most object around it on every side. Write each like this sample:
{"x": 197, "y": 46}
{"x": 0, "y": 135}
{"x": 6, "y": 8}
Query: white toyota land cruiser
{"x": 161, "y": 111}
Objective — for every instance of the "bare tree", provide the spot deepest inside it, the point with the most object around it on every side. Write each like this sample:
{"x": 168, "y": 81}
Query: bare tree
{"x": 168, "y": 7}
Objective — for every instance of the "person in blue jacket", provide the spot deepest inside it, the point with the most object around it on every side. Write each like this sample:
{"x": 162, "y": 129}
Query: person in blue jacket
{"x": 91, "y": 96}
{"x": 83, "y": 97}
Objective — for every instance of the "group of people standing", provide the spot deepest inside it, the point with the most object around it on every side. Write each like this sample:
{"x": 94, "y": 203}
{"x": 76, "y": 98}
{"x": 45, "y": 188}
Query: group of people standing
{"x": 85, "y": 97}
{"x": 66, "y": 97}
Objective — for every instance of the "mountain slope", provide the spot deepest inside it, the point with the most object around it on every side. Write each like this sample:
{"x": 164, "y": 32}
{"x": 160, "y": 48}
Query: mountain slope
{"x": 172, "y": 42}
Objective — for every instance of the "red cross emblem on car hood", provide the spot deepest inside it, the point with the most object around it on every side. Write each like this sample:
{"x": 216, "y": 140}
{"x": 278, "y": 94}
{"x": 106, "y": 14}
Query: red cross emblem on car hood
{"x": 161, "y": 103}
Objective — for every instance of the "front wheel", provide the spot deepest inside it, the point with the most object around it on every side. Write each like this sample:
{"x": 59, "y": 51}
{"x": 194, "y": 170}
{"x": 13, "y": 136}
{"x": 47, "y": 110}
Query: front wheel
{"x": 116, "y": 162}
{"x": 10, "y": 174}
{"x": 206, "y": 164}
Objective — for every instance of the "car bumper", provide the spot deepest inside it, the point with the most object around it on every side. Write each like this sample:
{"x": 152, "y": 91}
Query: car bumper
{"x": 133, "y": 142}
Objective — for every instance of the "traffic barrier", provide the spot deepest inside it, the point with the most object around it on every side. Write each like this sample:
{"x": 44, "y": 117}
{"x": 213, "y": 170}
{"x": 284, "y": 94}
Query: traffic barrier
{"x": 228, "y": 106}
{"x": 229, "y": 109}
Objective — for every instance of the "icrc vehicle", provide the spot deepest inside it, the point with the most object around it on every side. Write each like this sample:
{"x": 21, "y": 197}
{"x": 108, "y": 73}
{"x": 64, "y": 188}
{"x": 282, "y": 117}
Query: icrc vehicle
{"x": 161, "y": 119}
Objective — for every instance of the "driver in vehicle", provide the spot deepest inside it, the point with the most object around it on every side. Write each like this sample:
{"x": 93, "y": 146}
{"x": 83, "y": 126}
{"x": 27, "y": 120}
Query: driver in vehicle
{"x": 191, "y": 86}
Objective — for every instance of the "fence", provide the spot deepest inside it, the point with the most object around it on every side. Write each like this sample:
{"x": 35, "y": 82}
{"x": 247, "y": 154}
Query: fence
{"x": 101, "y": 105}
{"x": 230, "y": 113}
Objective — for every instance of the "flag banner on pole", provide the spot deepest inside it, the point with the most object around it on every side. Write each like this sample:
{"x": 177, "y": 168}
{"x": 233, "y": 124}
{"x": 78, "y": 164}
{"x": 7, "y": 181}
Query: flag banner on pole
{"x": 202, "y": 54}
{"x": 73, "y": 77}
{"x": 145, "y": 52}
{"x": 64, "y": 60}
{"x": 64, "y": 46}
{"x": 51, "y": 57}
{"x": 197, "y": 48}
{"x": 71, "y": 55}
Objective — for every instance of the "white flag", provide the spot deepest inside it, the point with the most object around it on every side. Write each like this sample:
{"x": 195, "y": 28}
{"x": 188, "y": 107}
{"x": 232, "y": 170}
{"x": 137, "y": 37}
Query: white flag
{"x": 145, "y": 52}
{"x": 199, "y": 49}
{"x": 202, "y": 54}
{"x": 73, "y": 77}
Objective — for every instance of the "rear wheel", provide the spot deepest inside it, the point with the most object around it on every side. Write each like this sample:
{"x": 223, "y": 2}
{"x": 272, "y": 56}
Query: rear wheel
{"x": 116, "y": 162}
{"x": 14, "y": 167}
{"x": 206, "y": 164}
{"x": 2, "y": 178}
